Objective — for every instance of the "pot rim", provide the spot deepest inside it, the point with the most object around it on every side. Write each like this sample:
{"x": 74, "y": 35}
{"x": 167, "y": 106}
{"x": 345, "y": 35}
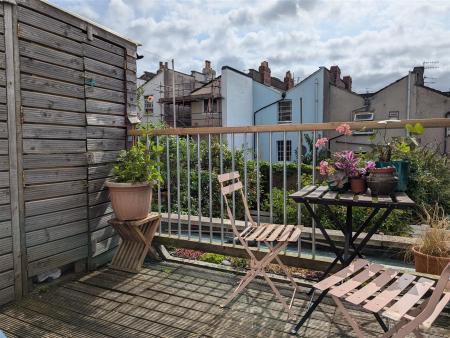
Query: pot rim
{"x": 114, "y": 184}
{"x": 383, "y": 170}
{"x": 416, "y": 251}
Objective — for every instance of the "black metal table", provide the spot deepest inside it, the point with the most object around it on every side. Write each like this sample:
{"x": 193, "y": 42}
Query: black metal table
{"x": 321, "y": 195}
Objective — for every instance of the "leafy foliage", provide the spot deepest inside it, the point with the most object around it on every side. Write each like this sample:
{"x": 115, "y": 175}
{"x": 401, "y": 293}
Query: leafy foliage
{"x": 212, "y": 258}
{"x": 138, "y": 165}
{"x": 429, "y": 180}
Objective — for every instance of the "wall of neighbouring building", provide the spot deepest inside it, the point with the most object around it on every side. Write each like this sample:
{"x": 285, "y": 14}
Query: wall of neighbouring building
{"x": 70, "y": 87}
{"x": 237, "y": 103}
{"x": 307, "y": 107}
{"x": 424, "y": 103}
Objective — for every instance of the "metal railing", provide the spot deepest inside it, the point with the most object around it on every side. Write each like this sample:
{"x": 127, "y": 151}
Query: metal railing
{"x": 193, "y": 157}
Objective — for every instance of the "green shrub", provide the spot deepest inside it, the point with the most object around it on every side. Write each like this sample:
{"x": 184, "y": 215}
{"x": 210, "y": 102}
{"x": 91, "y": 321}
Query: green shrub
{"x": 138, "y": 164}
{"x": 212, "y": 258}
{"x": 238, "y": 263}
{"x": 429, "y": 181}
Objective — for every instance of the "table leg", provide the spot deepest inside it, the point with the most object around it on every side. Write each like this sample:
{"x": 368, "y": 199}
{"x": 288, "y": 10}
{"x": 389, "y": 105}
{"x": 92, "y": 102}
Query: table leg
{"x": 371, "y": 232}
{"x": 324, "y": 232}
{"x": 309, "y": 312}
{"x": 348, "y": 231}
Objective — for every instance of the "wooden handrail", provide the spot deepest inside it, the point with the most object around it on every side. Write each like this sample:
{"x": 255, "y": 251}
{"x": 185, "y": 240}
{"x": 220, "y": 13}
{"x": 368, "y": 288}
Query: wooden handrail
{"x": 427, "y": 123}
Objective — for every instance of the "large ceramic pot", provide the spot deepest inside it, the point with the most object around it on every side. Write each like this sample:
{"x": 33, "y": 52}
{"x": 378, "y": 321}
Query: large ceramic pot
{"x": 402, "y": 172}
{"x": 358, "y": 185}
{"x": 429, "y": 264}
{"x": 130, "y": 201}
{"x": 382, "y": 181}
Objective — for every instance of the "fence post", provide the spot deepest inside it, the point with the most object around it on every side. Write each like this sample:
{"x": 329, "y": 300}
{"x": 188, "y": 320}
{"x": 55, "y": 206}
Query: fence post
{"x": 15, "y": 148}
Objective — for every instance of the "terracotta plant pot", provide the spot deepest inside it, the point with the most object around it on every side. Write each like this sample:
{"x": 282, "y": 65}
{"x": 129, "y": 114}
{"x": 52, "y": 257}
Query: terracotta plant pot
{"x": 382, "y": 181}
{"x": 358, "y": 185}
{"x": 429, "y": 264}
{"x": 130, "y": 201}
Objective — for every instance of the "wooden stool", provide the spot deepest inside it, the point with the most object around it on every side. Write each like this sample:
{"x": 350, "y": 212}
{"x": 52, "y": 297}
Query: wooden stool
{"x": 136, "y": 239}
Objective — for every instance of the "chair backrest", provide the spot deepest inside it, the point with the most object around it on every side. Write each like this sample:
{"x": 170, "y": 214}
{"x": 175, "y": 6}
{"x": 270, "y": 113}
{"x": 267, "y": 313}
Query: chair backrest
{"x": 442, "y": 286}
{"x": 230, "y": 183}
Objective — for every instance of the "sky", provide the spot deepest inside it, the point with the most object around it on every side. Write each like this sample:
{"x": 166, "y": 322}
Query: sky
{"x": 375, "y": 42}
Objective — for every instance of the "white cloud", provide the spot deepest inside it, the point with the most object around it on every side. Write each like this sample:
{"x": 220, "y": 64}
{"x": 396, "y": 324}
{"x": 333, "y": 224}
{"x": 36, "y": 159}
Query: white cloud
{"x": 374, "y": 41}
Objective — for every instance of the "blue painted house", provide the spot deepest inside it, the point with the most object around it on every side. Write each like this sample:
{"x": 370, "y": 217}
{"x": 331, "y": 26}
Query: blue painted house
{"x": 257, "y": 98}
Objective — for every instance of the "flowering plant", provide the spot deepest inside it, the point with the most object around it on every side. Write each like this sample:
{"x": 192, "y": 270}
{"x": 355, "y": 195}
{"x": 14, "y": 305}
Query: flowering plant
{"x": 343, "y": 166}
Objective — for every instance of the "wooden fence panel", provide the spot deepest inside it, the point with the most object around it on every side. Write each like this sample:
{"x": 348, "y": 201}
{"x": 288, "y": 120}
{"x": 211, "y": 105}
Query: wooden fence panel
{"x": 66, "y": 88}
{"x": 7, "y": 285}
{"x": 54, "y": 141}
{"x": 106, "y": 133}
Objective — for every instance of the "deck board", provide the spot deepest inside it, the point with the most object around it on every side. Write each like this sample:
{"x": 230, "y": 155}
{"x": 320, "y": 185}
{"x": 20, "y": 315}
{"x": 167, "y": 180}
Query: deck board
{"x": 172, "y": 300}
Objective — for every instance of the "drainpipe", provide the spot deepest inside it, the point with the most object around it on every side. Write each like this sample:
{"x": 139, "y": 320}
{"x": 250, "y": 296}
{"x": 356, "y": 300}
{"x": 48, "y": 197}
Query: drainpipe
{"x": 447, "y": 115}
{"x": 408, "y": 102}
{"x": 283, "y": 96}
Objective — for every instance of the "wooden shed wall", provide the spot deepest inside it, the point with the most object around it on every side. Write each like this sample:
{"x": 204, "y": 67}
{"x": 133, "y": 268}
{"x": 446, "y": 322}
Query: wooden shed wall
{"x": 77, "y": 85}
{"x": 6, "y": 240}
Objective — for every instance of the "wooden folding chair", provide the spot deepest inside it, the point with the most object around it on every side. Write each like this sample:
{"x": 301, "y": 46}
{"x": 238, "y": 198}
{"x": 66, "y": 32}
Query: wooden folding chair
{"x": 398, "y": 296}
{"x": 275, "y": 236}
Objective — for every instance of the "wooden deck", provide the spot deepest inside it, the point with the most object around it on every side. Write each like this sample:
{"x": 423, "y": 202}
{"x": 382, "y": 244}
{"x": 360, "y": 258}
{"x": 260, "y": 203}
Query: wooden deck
{"x": 170, "y": 300}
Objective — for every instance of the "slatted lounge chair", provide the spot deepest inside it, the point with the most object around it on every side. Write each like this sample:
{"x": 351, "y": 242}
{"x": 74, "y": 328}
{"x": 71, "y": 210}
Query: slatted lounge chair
{"x": 275, "y": 236}
{"x": 402, "y": 297}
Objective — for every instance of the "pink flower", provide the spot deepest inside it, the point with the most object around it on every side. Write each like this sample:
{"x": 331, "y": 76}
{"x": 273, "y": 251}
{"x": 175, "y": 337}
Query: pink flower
{"x": 321, "y": 142}
{"x": 324, "y": 168}
{"x": 344, "y": 129}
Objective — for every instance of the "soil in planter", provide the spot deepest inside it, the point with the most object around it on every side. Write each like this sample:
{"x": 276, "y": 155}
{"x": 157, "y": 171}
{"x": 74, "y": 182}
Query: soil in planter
{"x": 242, "y": 263}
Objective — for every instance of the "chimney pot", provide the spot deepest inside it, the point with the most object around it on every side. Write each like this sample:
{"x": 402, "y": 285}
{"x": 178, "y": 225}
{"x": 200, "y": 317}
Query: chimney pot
{"x": 347, "y": 82}
{"x": 288, "y": 80}
{"x": 264, "y": 71}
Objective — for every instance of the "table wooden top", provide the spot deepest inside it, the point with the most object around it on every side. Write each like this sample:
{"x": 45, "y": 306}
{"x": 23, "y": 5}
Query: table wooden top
{"x": 150, "y": 217}
{"x": 322, "y": 195}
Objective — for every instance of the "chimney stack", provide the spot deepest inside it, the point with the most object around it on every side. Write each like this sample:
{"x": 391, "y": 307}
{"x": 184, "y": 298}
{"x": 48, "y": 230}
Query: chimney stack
{"x": 288, "y": 80}
{"x": 348, "y": 82}
{"x": 335, "y": 74}
{"x": 419, "y": 71}
{"x": 264, "y": 71}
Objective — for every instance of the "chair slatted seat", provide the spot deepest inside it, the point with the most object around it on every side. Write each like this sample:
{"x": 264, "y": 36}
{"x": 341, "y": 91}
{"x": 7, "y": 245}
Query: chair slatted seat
{"x": 398, "y": 296}
{"x": 275, "y": 236}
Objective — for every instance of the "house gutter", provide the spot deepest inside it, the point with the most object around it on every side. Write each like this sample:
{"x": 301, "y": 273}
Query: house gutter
{"x": 283, "y": 96}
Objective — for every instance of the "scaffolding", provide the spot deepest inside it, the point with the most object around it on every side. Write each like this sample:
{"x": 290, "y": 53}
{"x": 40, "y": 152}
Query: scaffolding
{"x": 209, "y": 94}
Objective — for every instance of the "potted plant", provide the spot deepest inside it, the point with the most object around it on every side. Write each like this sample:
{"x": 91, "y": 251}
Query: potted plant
{"x": 432, "y": 250}
{"x": 339, "y": 170}
{"x": 393, "y": 153}
{"x": 358, "y": 184}
{"x": 135, "y": 173}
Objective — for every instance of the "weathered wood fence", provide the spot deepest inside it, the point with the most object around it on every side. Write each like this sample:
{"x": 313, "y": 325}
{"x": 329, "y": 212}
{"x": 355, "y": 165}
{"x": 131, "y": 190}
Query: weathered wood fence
{"x": 66, "y": 89}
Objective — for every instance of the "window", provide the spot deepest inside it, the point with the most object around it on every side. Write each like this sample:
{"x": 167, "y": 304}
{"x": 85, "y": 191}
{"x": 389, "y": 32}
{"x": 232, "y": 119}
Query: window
{"x": 281, "y": 152}
{"x": 393, "y": 115}
{"x": 363, "y": 116}
{"x": 285, "y": 111}
{"x": 148, "y": 104}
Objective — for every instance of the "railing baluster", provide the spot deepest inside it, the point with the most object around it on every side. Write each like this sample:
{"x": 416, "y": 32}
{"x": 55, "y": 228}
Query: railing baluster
{"x": 199, "y": 190}
{"x": 314, "y": 160}
{"x": 178, "y": 187}
{"x": 233, "y": 196}
{"x": 284, "y": 179}
{"x": 159, "y": 186}
{"x": 299, "y": 186}
{"x": 270, "y": 179}
{"x": 188, "y": 157}
{"x": 210, "y": 189}
{"x": 221, "y": 197}
{"x": 169, "y": 208}
{"x": 258, "y": 192}
{"x": 245, "y": 174}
